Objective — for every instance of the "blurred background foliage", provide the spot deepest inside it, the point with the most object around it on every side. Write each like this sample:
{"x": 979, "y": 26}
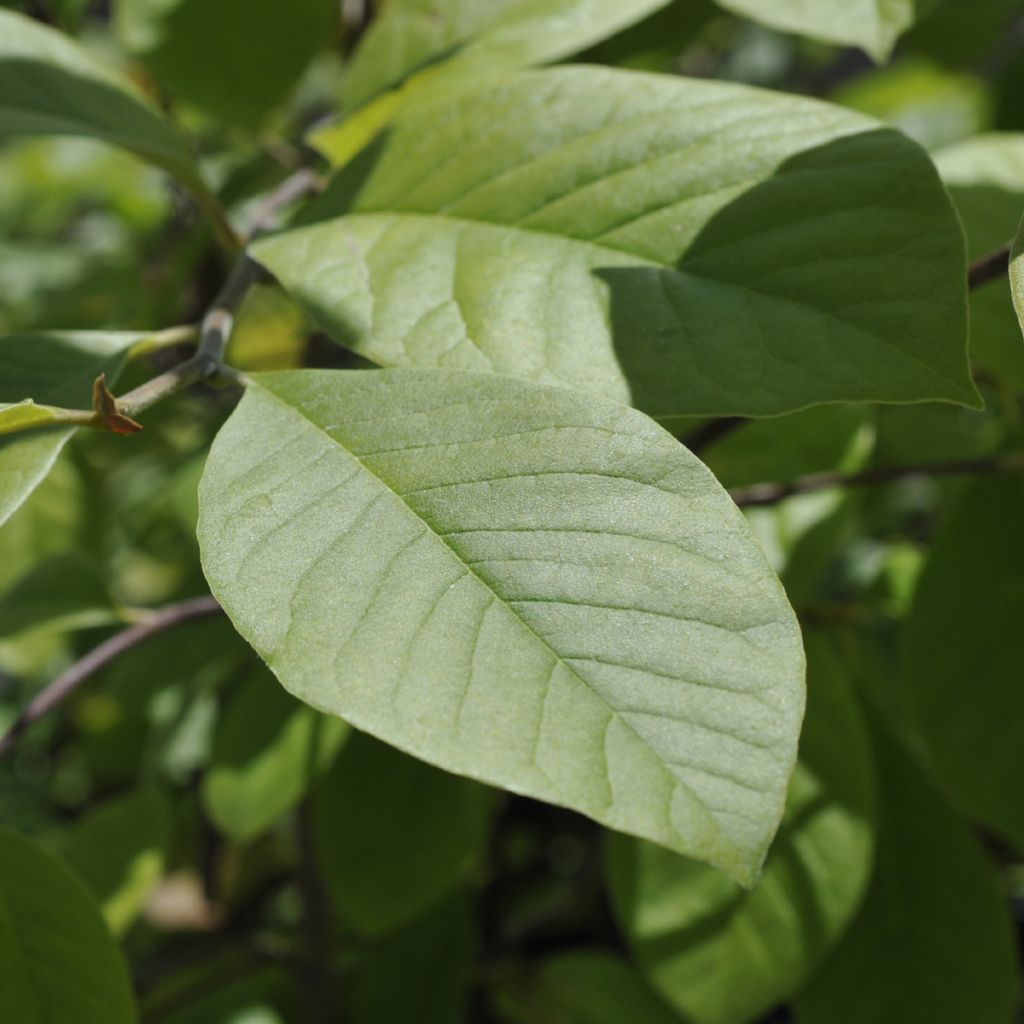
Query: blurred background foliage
{"x": 182, "y": 788}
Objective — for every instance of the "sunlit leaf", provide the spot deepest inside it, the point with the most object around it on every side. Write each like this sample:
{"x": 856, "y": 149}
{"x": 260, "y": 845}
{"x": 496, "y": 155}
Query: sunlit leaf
{"x": 527, "y": 585}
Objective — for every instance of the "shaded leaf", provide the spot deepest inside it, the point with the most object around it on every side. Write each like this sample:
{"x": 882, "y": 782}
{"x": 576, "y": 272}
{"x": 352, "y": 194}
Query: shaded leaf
{"x": 933, "y": 941}
{"x": 394, "y": 835}
{"x": 594, "y": 228}
{"x": 58, "y": 961}
{"x": 268, "y": 751}
{"x": 724, "y": 956}
{"x": 522, "y": 584}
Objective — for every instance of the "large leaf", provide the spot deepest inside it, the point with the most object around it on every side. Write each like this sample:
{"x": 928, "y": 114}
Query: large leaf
{"x": 236, "y": 59}
{"x": 522, "y": 584}
{"x": 480, "y": 36}
{"x": 985, "y": 177}
{"x": 55, "y": 368}
{"x": 933, "y": 942}
{"x": 58, "y": 961}
{"x": 873, "y": 25}
{"x": 596, "y": 228}
{"x": 723, "y": 956}
{"x": 49, "y": 85}
{"x": 120, "y": 849}
{"x": 376, "y": 806}
{"x": 962, "y": 655}
{"x": 268, "y": 751}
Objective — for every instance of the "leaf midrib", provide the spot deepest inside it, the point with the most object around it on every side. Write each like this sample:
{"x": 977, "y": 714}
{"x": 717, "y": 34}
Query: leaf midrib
{"x": 557, "y": 658}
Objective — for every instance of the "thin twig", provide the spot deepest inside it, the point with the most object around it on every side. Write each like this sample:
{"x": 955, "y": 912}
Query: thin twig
{"x": 989, "y": 267}
{"x": 315, "y": 961}
{"x": 68, "y": 681}
{"x": 714, "y": 430}
{"x": 772, "y": 493}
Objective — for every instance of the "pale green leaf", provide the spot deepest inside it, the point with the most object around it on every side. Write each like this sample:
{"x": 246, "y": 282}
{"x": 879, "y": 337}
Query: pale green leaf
{"x": 376, "y": 806}
{"x": 57, "y": 368}
{"x": 236, "y": 59}
{"x": 49, "y": 85}
{"x": 985, "y": 177}
{"x": 120, "y": 849}
{"x": 873, "y": 25}
{"x": 933, "y": 942}
{"x": 16, "y": 416}
{"x": 527, "y": 585}
{"x": 961, "y": 661}
{"x": 723, "y": 956}
{"x": 597, "y": 229}
{"x": 1017, "y": 274}
{"x": 474, "y": 37}
{"x": 58, "y": 961}
{"x": 268, "y": 750}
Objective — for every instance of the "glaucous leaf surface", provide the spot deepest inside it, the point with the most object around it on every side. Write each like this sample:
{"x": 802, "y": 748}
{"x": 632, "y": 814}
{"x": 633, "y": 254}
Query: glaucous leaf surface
{"x": 933, "y": 942}
{"x": 120, "y": 850}
{"x": 966, "y": 695}
{"x": 236, "y": 59}
{"x": 585, "y": 988}
{"x": 395, "y": 835}
{"x": 479, "y": 37}
{"x": 873, "y": 25}
{"x": 528, "y": 585}
{"x": 985, "y": 177}
{"x": 596, "y": 229}
{"x": 268, "y": 751}
{"x": 56, "y": 368}
{"x": 58, "y": 961}
{"x": 50, "y": 85}
{"x": 724, "y": 956}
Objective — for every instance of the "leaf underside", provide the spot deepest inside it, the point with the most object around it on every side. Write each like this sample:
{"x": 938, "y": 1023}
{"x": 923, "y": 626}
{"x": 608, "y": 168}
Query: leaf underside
{"x": 522, "y": 584}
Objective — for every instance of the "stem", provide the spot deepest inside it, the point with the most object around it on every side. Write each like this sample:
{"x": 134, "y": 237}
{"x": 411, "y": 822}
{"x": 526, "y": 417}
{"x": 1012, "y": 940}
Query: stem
{"x": 989, "y": 267}
{"x": 772, "y": 493}
{"x": 714, "y": 430}
{"x": 222, "y": 227}
{"x": 72, "y": 678}
{"x": 315, "y": 961}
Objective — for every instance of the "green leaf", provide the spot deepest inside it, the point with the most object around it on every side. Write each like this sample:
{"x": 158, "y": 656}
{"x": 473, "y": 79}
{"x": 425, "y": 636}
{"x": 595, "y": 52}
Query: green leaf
{"x": 57, "y": 368}
{"x": 527, "y": 585}
{"x": 236, "y": 59}
{"x": 474, "y": 37}
{"x": 724, "y": 956}
{"x": 873, "y": 25}
{"x": 51, "y": 86}
{"x": 58, "y": 961}
{"x": 268, "y": 750}
{"x": 933, "y": 941}
{"x": 965, "y": 693}
{"x": 595, "y": 228}
{"x": 985, "y": 177}
{"x": 376, "y": 806}
{"x": 120, "y": 849}
{"x": 581, "y": 987}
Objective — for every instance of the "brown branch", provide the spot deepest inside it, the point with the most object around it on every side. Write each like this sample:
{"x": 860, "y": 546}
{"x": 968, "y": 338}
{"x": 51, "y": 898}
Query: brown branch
{"x": 772, "y": 493}
{"x": 68, "y": 681}
{"x": 989, "y": 267}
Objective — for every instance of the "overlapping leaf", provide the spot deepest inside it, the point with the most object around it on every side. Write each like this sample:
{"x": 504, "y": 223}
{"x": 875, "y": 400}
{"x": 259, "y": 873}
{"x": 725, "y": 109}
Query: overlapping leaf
{"x": 690, "y": 247}
{"x": 523, "y": 584}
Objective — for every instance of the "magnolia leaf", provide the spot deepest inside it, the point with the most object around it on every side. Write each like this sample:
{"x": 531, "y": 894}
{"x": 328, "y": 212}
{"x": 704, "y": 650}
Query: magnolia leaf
{"x": 375, "y": 806}
{"x": 723, "y": 956}
{"x": 594, "y": 228}
{"x": 15, "y": 416}
{"x": 873, "y": 25}
{"x": 966, "y": 697}
{"x": 120, "y": 849}
{"x": 57, "y": 368}
{"x": 268, "y": 751}
{"x": 235, "y": 59}
{"x": 923, "y": 947}
{"x": 58, "y": 961}
{"x": 474, "y": 37}
{"x": 52, "y": 86}
{"x": 522, "y": 584}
